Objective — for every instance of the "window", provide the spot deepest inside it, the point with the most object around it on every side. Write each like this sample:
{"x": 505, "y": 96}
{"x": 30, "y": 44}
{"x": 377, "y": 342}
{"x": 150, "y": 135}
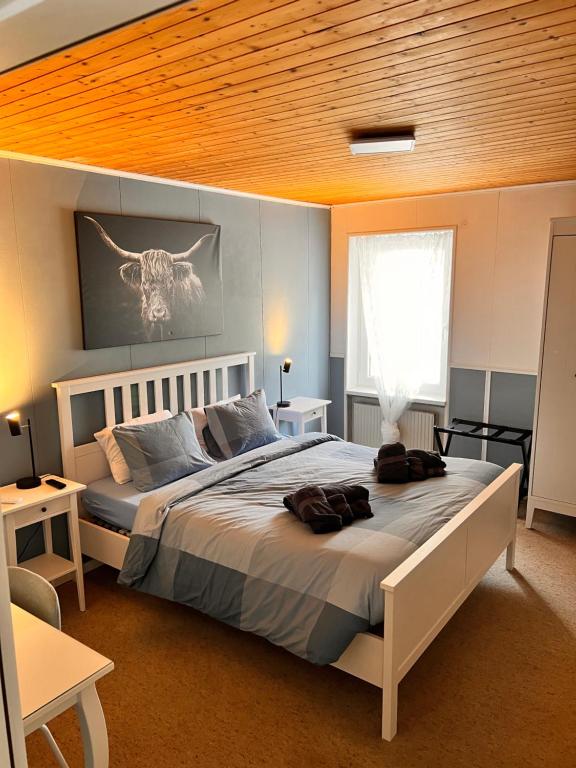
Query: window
{"x": 407, "y": 278}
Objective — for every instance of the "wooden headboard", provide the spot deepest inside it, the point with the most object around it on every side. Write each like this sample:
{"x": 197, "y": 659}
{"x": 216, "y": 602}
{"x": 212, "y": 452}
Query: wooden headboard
{"x": 86, "y": 463}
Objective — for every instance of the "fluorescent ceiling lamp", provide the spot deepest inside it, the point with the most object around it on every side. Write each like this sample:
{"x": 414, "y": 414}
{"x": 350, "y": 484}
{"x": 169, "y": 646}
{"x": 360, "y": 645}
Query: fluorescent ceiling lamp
{"x": 9, "y": 8}
{"x": 383, "y": 144}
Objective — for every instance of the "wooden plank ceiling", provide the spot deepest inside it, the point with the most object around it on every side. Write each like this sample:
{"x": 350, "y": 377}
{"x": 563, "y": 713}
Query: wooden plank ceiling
{"x": 264, "y": 95}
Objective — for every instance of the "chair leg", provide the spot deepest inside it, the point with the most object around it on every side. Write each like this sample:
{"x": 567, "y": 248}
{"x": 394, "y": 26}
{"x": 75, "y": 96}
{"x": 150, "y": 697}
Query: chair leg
{"x": 54, "y": 747}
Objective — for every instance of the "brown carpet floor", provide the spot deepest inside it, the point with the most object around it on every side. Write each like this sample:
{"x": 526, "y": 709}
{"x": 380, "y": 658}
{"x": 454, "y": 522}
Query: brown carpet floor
{"x": 496, "y": 689}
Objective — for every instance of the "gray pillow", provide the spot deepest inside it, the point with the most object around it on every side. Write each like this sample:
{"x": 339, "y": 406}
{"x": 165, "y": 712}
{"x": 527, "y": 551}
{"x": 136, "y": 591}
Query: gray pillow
{"x": 242, "y": 425}
{"x": 161, "y": 452}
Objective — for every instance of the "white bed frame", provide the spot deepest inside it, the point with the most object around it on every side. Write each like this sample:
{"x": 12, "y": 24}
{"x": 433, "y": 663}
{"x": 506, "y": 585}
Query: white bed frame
{"x": 420, "y": 595}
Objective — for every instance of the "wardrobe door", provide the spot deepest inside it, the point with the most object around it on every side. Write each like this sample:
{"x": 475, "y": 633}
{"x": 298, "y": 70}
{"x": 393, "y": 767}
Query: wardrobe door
{"x": 554, "y": 467}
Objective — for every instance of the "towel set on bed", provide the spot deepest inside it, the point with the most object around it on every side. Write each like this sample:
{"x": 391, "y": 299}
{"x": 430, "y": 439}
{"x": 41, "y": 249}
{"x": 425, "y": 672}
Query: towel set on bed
{"x": 395, "y": 464}
{"x": 328, "y": 508}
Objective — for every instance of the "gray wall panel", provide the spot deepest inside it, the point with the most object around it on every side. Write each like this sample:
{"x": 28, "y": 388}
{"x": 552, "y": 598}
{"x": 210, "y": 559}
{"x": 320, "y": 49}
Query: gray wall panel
{"x": 41, "y": 330}
{"x": 242, "y": 276}
{"x": 285, "y": 291}
{"x": 15, "y": 384}
{"x": 319, "y": 301}
{"x": 45, "y": 199}
{"x": 336, "y": 409}
{"x": 511, "y": 404}
{"x": 159, "y": 201}
{"x": 466, "y": 402}
{"x": 41, "y": 320}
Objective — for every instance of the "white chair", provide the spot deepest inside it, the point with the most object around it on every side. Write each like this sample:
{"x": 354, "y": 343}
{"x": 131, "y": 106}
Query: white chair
{"x": 34, "y": 594}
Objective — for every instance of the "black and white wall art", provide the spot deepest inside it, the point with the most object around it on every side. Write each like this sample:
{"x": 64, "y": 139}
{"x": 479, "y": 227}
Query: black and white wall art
{"x": 145, "y": 279}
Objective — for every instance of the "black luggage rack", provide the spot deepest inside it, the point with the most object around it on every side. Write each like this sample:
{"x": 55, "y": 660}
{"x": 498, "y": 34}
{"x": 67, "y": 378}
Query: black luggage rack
{"x": 492, "y": 433}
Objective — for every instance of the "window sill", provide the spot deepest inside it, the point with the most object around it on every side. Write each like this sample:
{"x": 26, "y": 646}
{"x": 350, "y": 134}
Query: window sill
{"x": 367, "y": 392}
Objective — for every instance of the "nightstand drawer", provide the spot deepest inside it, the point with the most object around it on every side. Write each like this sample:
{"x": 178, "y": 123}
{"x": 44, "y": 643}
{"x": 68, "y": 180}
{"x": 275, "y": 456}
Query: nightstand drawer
{"x": 315, "y": 414}
{"x": 42, "y": 511}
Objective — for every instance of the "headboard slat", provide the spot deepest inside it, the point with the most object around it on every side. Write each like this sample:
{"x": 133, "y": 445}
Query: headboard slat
{"x": 86, "y": 463}
{"x": 212, "y": 384}
{"x": 109, "y": 409}
{"x": 158, "y": 396}
{"x": 142, "y": 398}
{"x": 187, "y": 387}
{"x": 126, "y": 402}
{"x": 200, "y": 389}
{"x": 173, "y": 394}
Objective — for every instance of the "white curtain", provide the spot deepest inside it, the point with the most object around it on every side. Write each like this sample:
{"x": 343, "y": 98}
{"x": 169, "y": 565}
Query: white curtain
{"x": 402, "y": 279}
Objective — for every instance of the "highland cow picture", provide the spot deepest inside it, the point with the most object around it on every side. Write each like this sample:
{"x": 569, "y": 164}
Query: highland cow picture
{"x": 145, "y": 280}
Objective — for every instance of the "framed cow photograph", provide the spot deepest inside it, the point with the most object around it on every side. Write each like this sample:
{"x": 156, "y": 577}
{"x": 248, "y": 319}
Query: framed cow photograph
{"x": 145, "y": 279}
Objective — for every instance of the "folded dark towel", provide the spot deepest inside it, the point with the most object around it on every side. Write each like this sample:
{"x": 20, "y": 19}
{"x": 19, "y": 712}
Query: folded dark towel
{"x": 394, "y": 464}
{"x": 431, "y": 464}
{"x": 430, "y": 459}
{"x": 356, "y": 495}
{"x": 311, "y": 506}
{"x": 341, "y": 507}
{"x": 391, "y": 464}
{"x": 328, "y": 508}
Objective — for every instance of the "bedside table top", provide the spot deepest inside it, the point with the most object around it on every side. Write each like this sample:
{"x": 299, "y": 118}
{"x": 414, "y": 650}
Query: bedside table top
{"x": 32, "y": 496}
{"x": 304, "y": 404}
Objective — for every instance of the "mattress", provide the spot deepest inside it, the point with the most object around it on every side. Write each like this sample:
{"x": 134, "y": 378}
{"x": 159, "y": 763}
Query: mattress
{"x": 115, "y": 504}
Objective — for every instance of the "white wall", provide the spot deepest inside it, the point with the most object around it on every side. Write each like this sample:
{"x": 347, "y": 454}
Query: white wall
{"x": 501, "y": 252}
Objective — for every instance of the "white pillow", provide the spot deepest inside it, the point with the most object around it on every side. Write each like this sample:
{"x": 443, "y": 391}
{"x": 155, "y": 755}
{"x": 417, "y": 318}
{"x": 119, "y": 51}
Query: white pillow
{"x": 106, "y": 440}
{"x": 199, "y": 419}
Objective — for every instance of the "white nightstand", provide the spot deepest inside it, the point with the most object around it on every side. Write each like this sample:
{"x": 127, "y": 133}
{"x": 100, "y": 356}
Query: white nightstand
{"x": 40, "y": 505}
{"x": 301, "y": 411}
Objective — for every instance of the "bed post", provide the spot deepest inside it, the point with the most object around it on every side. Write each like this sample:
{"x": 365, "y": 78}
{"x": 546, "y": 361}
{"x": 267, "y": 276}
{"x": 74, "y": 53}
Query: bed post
{"x": 389, "y": 681}
{"x": 250, "y": 372}
{"x": 63, "y": 396}
{"x": 511, "y": 548}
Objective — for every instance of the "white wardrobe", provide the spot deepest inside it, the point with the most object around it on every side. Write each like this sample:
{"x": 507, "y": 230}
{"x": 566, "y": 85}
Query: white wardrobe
{"x": 553, "y": 476}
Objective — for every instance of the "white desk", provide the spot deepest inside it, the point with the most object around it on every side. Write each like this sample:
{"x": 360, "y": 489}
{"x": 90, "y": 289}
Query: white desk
{"x": 56, "y": 672}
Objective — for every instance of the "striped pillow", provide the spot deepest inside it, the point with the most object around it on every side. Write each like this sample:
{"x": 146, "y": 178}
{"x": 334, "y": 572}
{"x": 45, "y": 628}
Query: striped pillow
{"x": 242, "y": 425}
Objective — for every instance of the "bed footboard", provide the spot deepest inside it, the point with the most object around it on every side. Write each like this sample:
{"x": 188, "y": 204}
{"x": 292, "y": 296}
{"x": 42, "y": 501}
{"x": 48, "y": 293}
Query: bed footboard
{"x": 426, "y": 589}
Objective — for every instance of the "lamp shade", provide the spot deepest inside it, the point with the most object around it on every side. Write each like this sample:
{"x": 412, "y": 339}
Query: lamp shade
{"x": 13, "y": 420}
{"x": 287, "y": 365}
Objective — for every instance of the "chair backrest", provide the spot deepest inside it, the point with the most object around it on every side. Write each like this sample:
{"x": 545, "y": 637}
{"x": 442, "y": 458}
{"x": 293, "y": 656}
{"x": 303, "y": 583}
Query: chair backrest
{"x": 34, "y": 594}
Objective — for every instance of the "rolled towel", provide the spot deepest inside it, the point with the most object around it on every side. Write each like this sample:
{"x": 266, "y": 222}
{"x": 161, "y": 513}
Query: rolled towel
{"x": 351, "y": 492}
{"x": 311, "y": 506}
{"x": 431, "y": 463}
{"x": 361, "y": 510}
{"x": 341, "y": 507}
{"x": 417, "y": 469}
{"x": 329, "y": 507}
{"x": 357, "y": 497}
{"x": 391, "y": 464}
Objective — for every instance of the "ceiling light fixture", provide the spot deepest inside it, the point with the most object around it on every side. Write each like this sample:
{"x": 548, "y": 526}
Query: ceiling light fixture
{"x": 377, "y": 145}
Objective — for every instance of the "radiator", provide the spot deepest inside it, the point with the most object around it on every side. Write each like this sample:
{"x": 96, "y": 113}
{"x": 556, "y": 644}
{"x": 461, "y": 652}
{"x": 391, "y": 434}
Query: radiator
{"x": 416, "y": 427}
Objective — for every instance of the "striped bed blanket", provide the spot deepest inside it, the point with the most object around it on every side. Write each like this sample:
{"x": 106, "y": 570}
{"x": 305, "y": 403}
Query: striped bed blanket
{"x": 222, "y": 542}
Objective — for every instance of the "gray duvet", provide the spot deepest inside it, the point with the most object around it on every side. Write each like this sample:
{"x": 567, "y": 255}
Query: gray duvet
{"x": 222, "y": 542}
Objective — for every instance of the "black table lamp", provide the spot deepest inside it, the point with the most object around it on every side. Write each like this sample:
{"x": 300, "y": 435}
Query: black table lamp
{"x": 16, "y": 428}
{"x": 284, "y": 368}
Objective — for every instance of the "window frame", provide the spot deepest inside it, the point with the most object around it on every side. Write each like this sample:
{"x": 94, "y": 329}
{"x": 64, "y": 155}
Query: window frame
{"x": 356, "y": 348}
